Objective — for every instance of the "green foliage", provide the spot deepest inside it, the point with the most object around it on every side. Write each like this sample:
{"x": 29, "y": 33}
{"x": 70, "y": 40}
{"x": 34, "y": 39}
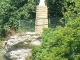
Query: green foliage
{"x": 11, "y": 11}
{"x": 1, "y": 50}
{"x": 55, "y": 8}
{"x": 71, "y": 9}
{"x": 61, "y": 43}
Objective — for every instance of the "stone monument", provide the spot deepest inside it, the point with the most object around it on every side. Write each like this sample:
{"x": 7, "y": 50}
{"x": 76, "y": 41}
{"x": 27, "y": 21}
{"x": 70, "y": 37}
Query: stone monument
{"x": 41, "y": 17}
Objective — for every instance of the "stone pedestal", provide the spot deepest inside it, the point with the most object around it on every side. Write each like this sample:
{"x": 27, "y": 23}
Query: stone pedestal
{"x": 41, "y": 18}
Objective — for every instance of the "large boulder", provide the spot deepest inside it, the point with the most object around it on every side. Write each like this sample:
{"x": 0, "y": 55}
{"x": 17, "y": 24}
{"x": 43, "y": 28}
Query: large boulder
{"x": 19, "y": 46}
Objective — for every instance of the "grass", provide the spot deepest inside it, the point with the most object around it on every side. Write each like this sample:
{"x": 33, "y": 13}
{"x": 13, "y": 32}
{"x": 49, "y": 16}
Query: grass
{"x": 1, "y": 50}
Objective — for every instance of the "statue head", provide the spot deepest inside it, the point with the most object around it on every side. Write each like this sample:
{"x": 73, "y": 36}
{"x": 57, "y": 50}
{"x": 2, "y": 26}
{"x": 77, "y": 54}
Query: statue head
{"x": 42, "y": 3}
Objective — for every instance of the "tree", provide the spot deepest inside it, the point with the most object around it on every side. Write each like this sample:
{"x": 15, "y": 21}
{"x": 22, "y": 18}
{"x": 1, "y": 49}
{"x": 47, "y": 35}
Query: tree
{"x": 71, "y": 9}
{"x": 55, "y": 8}
{"x": 11, "y": 11}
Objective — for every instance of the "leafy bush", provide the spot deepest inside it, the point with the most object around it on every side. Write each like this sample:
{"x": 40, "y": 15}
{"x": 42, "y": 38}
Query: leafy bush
{"x": 62, "y": 43}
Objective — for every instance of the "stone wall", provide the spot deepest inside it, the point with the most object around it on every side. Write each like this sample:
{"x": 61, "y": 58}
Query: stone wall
{"x": 19, "y": 46}
{"x": 41, "y": 18}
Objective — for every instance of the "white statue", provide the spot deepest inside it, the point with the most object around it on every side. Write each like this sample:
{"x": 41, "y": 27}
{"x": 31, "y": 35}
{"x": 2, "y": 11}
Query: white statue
{"x": 42, "y": 2}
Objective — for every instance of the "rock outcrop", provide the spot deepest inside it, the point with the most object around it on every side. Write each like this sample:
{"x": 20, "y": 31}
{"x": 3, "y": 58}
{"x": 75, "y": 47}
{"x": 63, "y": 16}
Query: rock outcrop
{"x": 18, "y": 47}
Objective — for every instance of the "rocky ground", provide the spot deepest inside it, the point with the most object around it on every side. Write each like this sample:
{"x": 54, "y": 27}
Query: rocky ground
{"x": 19, "y": 46}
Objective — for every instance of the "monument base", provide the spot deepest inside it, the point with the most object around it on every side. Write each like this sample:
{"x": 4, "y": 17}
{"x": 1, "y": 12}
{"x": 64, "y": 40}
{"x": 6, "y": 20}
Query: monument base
{"x": 41, "y": 18}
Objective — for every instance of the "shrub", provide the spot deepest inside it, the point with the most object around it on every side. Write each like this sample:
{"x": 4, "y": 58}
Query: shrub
{"x": 62, "y": 43}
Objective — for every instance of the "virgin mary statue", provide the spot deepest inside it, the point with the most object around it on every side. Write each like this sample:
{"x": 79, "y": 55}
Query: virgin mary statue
{"x": 42, "y": 2}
